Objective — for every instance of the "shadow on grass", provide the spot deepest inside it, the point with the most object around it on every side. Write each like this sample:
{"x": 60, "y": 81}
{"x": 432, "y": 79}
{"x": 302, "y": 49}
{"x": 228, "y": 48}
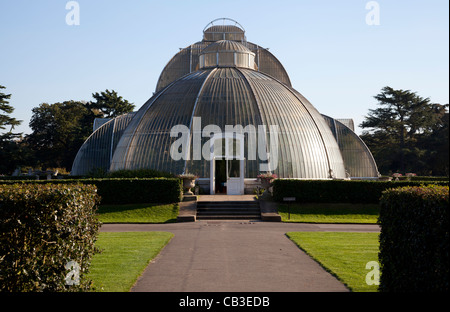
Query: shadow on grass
{"x": 329, "y": 213}
{"x": 138, "y": 213}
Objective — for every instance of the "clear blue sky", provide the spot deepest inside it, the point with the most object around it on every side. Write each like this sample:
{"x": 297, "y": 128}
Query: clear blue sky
{"x": 333, "y": 57}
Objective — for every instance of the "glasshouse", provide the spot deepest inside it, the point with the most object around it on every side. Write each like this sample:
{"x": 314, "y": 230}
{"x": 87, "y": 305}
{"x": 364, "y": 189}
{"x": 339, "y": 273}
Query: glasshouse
{"x": 224, "y": 110}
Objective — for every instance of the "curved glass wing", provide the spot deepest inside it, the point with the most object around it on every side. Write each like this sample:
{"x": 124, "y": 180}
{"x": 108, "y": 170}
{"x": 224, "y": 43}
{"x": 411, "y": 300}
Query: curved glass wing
{"x": 307, "y": 146}
{"x": 358, "y": 160}
{"x": 96, "y": 152}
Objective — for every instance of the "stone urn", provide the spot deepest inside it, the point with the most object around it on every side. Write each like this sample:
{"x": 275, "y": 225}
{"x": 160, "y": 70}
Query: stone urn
{"x": 266, "y": 182}
{"x": 188, "y": 183}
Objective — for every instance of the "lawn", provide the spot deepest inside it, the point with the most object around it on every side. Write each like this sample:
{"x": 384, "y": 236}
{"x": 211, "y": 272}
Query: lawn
{"x": 343, "y": 254}
{"x": 329, "y": 213}
{"x": 124, "y": 257}
{"x": 138, "y": 213}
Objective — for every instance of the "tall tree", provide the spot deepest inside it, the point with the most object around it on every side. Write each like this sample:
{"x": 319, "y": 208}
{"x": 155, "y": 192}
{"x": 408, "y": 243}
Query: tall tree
{"x": 110, "y": 104}
{"x": 396, "y": 128}
{"x": 6, "y": 109}
{"x": 59, "y": 130}
{"x": 436, "y": 145}
{"x": 9, "y": 141}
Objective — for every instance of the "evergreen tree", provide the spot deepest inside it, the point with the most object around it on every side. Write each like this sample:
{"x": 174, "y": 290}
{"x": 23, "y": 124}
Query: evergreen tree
{"x": 6, "y": 109}
{"x": 59, "y": 130}
{"x": 9, "y": 141}
{"x": 110, "y": 104}
{"x": 400, "y": 128}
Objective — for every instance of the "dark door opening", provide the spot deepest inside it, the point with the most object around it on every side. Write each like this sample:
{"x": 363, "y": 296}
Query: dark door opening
{"x": 220, "y": 176}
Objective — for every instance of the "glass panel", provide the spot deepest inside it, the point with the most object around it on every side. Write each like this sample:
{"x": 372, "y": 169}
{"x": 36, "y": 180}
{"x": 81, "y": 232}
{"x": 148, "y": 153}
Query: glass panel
{"x": 97, "y": 151}
{"x": 269, "y": 64}
{"x": 181, "y": 64}
{"x": 234, "y": 148}
{"x": 219, "y": 145}
{"x": 226, "y": 59}
{"x": 210, "y": 59}
{"x": 146, "y": 143}
{"x": 357, "y": 157}
{"x": 242, "y": 60}
{"x": 227, "y": 99}
{"x": 306, "y": 145}
{"x": 234, "y": 168}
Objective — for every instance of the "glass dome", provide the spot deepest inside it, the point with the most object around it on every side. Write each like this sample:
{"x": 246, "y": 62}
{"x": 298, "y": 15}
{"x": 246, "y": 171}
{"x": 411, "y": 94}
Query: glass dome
{"x": 216, "y": 86}
{"x": 187, "y": 59}
{"x": 231, "y": 96}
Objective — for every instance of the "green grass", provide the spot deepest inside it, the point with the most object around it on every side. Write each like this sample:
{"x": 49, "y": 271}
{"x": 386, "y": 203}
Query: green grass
{"x": 329, "y": 213}
{"x": 343, "y": 254}
{"x": 124, "y": 257}
{"x": 138, "y": 213}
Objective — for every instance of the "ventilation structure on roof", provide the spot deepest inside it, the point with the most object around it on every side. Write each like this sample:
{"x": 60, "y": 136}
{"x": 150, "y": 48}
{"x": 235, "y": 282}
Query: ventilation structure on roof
{"x": 225, "y": 53}
{"x": 228, "y": 30}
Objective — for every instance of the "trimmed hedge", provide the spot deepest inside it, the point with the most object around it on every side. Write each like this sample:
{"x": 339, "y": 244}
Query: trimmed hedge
{"x": 43, "y": 227}
{"x": 337, "y": 191}
{"x": 128, "y": 191}
{"x": 135, "y": 191}
{"x": 414, "y": 239}
{"x": 140, "y": 173}
{"x": 428, "y": 179}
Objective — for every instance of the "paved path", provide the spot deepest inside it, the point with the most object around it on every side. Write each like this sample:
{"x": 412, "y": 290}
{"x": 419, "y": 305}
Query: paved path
{"x": 235, "y": 256}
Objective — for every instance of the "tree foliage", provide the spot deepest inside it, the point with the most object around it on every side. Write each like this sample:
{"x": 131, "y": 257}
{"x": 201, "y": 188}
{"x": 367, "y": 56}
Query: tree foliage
{"x": 59, "y": 129}
{"x": 407, "y": 133}
{"x": 110, "y": 104}
{"x": 6, "y": 109}
{"x": 12, "y": 151}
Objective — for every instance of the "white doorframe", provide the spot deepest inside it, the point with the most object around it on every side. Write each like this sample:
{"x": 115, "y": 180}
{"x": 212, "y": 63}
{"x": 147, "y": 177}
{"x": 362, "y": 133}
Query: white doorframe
{"x": 229, "y": 155}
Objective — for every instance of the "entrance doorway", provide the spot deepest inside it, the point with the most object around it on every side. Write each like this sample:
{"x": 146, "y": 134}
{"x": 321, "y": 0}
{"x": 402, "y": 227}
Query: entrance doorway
{"x": 220, "y": 176}
{"x": 227, "y": 169}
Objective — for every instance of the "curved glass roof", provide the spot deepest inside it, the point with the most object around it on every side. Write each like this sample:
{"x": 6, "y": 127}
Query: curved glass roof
{"x": 96, "y": 153}
{"x": 187, "y": 59}
{"x": 359, "y": 162}
{"x": 221, "y": 83}
{"x": 225, "y": 46}
{"x": 231, "y": 96}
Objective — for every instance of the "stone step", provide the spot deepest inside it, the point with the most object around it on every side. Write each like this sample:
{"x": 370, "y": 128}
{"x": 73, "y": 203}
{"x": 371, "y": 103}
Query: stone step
{"x": 228, "y": 212}
{"x": 222, "y": 210}
{"x": 228, "y": 217}
{"x": 236, "y": 207}
{"x": 228, "y": 203}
